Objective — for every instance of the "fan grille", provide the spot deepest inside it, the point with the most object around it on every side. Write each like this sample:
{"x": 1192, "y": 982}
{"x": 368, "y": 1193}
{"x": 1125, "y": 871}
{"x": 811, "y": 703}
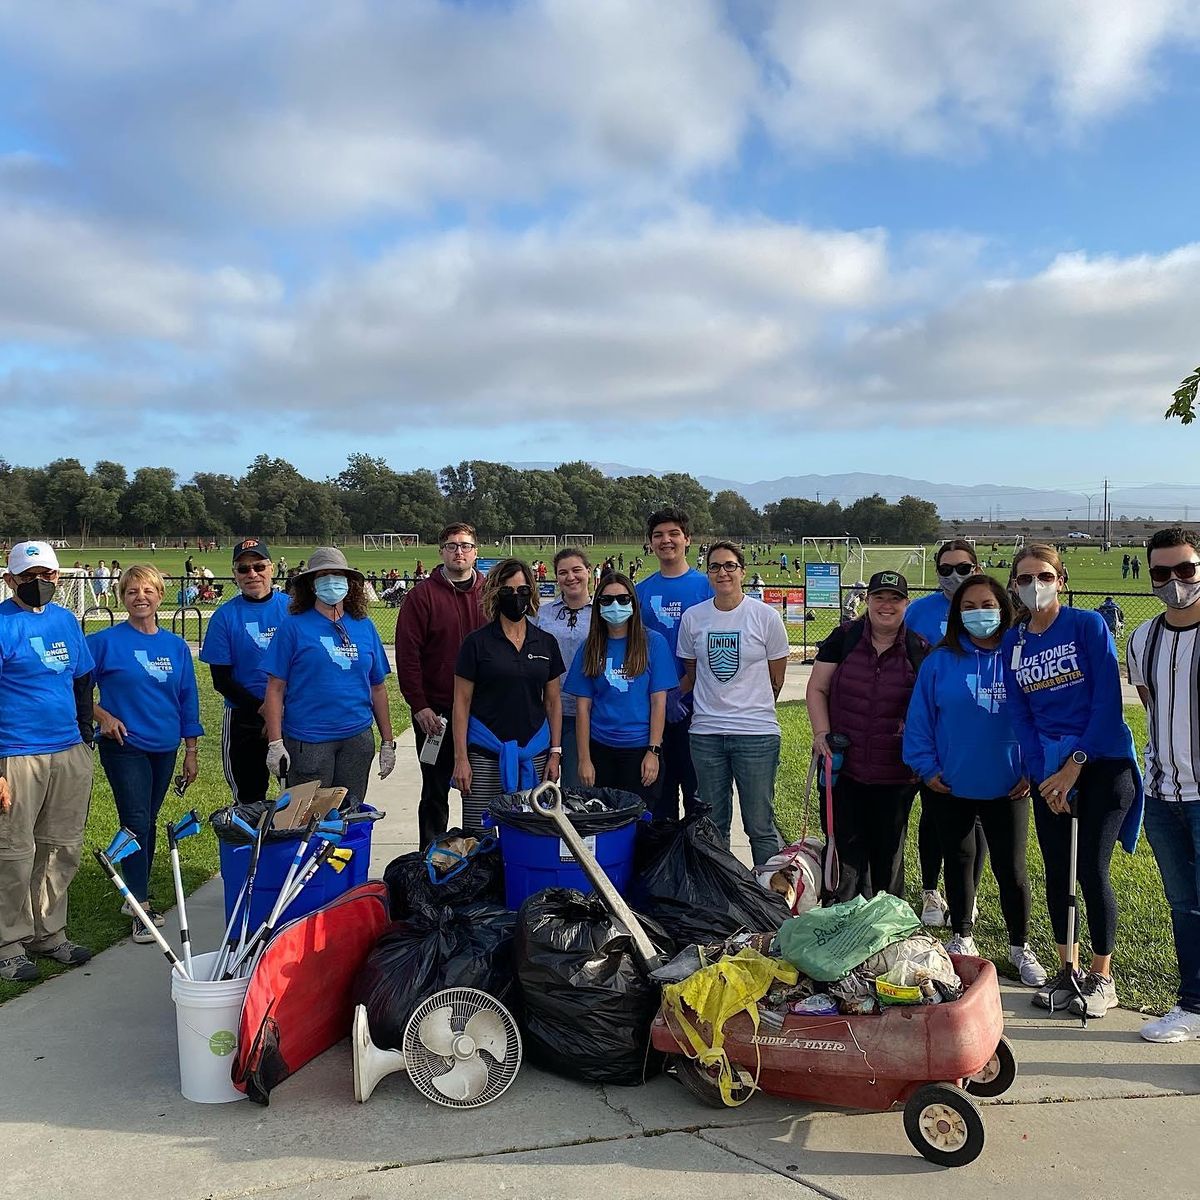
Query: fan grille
{"x": 424, "y": 1066}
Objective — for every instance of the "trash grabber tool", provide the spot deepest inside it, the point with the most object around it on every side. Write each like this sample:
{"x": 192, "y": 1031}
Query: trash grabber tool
{"x": 122, "y": 846}
{"x": 1072, "y": 905}
{"x": 228, "y": 941}
{"x": 187, "y": 826}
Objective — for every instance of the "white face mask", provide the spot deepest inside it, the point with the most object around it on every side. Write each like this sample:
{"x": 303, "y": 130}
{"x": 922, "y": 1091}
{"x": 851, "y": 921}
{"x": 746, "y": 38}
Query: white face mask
{"x": 1037, "y": 595}
{"x": 1177, "y": 594}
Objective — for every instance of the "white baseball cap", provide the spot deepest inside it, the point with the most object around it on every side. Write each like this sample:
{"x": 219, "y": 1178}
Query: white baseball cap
{"x": 31, "y": 554}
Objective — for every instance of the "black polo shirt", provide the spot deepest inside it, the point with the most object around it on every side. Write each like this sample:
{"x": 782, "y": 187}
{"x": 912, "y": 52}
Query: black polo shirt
{"x": 510, "y": 684}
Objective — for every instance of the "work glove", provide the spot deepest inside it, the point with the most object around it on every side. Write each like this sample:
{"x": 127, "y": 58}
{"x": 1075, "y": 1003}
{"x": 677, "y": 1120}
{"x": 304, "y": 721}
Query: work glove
{"x": 678, "y": 706}
{"x": 387, "y": 759}
{"x": 277, "y": 759}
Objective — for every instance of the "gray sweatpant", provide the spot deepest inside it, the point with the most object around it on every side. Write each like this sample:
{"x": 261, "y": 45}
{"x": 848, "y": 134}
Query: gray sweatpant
{"x": 345, "y": 763}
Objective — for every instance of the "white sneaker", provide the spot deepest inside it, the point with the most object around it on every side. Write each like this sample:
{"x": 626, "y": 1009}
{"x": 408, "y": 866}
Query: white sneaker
{"x": 960, "y": 943}
{"x": 934, "y": 911}
{"x": 1176, "y": 1026}
{"x": 1033, "y": 974}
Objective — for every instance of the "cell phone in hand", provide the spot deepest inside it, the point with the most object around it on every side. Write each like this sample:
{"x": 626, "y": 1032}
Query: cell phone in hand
{"x": 432, "y": 746}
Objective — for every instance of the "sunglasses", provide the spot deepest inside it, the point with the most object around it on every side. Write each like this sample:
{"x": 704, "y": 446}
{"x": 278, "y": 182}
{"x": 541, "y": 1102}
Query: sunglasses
{"x": 715, "y": 568}
{"x": 1041, "y": 577}
{"x": 945, "y": 570}
{"x": 524, "y": 590}
{"x": 1184, "y": 570}
{"x": 341, "y": 629}
{"x": 258, "y": 568}
{"x": 619, "y": 598}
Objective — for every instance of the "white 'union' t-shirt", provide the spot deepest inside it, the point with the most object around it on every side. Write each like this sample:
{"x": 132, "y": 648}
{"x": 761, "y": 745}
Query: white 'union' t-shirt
{"x": 733, "y": 686}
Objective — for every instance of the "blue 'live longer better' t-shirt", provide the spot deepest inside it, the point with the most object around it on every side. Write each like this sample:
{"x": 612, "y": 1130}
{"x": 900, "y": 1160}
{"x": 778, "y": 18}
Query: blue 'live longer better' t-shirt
{"x": 148, "y": 681}
{"x": 621, "y": 706}
{"x": 663, "y": 601}
{"x": 238, "y": 635}
{"x": 41, "y": 656}
{"x": 329, "y": 677}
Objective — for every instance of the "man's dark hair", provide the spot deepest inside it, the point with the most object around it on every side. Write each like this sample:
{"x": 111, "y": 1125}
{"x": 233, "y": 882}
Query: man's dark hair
{"x": 457, "y": 527}
{"x": 1176, "y": 535}
{"x": 669, "y": 516}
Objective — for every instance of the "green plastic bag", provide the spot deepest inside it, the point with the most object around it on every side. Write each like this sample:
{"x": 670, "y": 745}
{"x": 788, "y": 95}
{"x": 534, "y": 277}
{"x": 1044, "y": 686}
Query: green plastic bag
{"x": 828, "y": 943}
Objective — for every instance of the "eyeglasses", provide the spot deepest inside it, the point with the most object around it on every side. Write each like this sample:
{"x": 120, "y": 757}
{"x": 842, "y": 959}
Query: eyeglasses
{"x": 259, "y": 568}
{"x": 715, "y": 568}
{"x": 524, "y": 590}
{"x": 1041, "y": 577}
{"x": 342, "y": 633}
{"x": 1184, "y": 570}
{"x": 618, "y": 598}
{"x": 458, "y": 547}
{"x": 945, "y": 570}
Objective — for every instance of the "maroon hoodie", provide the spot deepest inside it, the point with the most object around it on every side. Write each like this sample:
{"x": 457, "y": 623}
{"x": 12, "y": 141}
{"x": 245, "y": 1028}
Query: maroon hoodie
{"x": 433, "y": 621}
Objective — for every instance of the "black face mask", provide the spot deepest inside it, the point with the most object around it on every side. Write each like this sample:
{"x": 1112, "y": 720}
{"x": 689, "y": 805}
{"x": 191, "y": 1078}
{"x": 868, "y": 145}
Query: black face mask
{"x": 513, "y": 607}
{"x": 36, "y": 593}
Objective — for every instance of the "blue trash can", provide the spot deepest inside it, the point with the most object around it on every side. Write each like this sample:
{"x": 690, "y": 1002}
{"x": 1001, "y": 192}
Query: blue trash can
{"x": 535, "y": 857}
{"x": 273, "y": 865}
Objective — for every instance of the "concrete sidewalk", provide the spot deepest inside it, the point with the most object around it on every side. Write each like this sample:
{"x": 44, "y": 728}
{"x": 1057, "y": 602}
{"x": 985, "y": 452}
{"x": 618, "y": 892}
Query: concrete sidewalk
{"x": 89, "y": 1105}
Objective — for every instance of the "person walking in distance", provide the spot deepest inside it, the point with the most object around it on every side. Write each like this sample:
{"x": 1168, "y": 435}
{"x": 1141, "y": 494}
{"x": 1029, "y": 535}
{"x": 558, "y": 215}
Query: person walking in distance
{"x": 434, "y": 621}
{"x": 235, "y": 643}
{"x": 663, "y": 598}
{"x": 45, "y": 764}
{"x": 1163, "y": 656}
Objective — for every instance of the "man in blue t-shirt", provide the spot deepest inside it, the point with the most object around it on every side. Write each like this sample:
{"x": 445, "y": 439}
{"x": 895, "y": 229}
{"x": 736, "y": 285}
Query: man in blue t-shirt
{"x": 234, "y": 645}
{"x": 663, "y": 598}
{"x": 45, "y": 762}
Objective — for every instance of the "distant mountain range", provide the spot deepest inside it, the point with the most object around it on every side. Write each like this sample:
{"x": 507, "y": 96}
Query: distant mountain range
{"x": 986, "y": 501}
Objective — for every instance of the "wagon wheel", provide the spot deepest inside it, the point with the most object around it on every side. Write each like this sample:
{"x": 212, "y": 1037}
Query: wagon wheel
{"x": 944, "y": 1124}
{"x": 997, "y": 1076}
{"x": 702, "y": 1082}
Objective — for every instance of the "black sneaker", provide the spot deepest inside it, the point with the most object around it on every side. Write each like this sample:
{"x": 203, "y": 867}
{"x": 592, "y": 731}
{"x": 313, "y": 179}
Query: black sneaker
{"x": 142, "y": 933}
{"x": 152, "y": 912}
{"x": 19, "y": 969}
{"x": 69, "y": 953}
{"x": 1057, "y": 991}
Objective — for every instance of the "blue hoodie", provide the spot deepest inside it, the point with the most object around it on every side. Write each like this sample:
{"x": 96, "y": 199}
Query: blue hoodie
{"x": 927, "y": 616}
{"x": 958, "y": 724}
{"x": 1064, "y": 692}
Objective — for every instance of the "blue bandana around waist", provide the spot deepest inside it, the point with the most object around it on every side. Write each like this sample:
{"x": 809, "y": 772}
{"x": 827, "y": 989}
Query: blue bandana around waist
{"x": 517, "y": 772}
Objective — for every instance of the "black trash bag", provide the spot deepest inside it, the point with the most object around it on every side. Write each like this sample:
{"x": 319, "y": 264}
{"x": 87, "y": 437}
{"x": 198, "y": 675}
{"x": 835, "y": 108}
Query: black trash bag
{"x": 465, "y": 947}
{"x": 590, "y": 811}
{"x": 686, "y": 879}
{"x": 587, "y": 1005}
{"x": 412, "y": 891}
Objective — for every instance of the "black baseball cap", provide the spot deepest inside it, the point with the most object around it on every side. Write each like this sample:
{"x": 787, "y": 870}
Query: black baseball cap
{"x": 251, "y": 546}
{"x": 888, "y": 581}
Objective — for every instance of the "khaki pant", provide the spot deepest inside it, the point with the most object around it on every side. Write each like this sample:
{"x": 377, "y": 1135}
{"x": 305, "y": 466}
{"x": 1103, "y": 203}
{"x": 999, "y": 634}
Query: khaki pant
{"x": 41, "y": 838}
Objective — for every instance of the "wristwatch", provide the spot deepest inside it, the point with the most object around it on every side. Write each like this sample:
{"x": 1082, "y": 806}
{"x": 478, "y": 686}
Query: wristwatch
{"x": 1079, "y": 758}
{"x": 556, "y": 750}
{"x": 655, "y": 750}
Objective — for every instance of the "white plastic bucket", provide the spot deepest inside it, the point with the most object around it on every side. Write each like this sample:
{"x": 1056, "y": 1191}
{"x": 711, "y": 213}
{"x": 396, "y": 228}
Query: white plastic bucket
{"x": 207, "y": 1016}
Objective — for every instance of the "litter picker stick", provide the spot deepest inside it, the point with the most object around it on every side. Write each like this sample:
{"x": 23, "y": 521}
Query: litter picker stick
{"x": 122, "y": 846}
{"x": 547, "y": 800}
{"x": 833, "y": 867}
{"x": 255, "y": 854}
{"x": 187, "y": 826}
{"x": 1072, "y": 906}
{"x": 228, "y": 942}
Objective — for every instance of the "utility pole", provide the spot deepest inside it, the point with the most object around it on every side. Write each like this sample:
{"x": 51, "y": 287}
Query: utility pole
{"x": 1107, "y": 514}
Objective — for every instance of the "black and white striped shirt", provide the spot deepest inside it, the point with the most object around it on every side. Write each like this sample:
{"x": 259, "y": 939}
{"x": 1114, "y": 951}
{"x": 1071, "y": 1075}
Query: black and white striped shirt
{"x": 1166, "y": 662}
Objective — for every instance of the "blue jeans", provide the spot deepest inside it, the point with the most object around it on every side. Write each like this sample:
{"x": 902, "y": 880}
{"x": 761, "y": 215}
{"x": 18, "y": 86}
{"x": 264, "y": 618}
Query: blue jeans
{"x": 139, "y": 780}
{"x": 1174, "y": 833}
{"x": 751, "y": 761}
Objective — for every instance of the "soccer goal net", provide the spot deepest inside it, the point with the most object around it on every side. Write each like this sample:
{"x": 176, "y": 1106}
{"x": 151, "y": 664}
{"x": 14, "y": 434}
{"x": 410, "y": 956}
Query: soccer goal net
{"x": 519, "y": 543}
{"x": 908, "y": 560}
{"x": 579, "y": 539}
{"x": 390, "y": 541}
{"x": 74, "y": 591}
{"x": 848, "y": 550}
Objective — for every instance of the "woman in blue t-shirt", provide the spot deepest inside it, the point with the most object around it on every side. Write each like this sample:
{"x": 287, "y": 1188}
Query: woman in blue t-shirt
{"x": 620, "y": 679}
{"x": 1063, "y": 685}
{"x": 148, "y": 702}
{"x": 325, "y": 671}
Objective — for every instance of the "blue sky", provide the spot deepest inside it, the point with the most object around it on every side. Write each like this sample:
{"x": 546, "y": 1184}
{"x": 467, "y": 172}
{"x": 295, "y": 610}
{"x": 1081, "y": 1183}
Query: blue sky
{"x": 743, "y": 239}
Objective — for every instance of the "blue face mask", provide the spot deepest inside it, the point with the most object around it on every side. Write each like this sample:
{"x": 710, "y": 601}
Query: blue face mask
{"x": 332, "y": 589}
{"x": 617, "y": 614}
{"x": 981, "y": 622}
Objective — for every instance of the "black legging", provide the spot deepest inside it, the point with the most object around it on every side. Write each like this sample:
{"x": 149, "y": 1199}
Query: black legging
{"x": 1006, "y": 824}
{"x": 1106, "y": 789}
{"x": 870, "y": 823}
{"x": 929, "y": 847}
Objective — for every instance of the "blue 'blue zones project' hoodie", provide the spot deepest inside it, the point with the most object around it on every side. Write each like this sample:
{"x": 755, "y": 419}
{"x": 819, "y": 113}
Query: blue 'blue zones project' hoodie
{"x": 1064, "y": 694}
{"x": 958, "y": 724}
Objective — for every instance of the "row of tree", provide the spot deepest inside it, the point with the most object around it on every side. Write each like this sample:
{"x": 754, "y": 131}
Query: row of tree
{"x": 65, "y": 499}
